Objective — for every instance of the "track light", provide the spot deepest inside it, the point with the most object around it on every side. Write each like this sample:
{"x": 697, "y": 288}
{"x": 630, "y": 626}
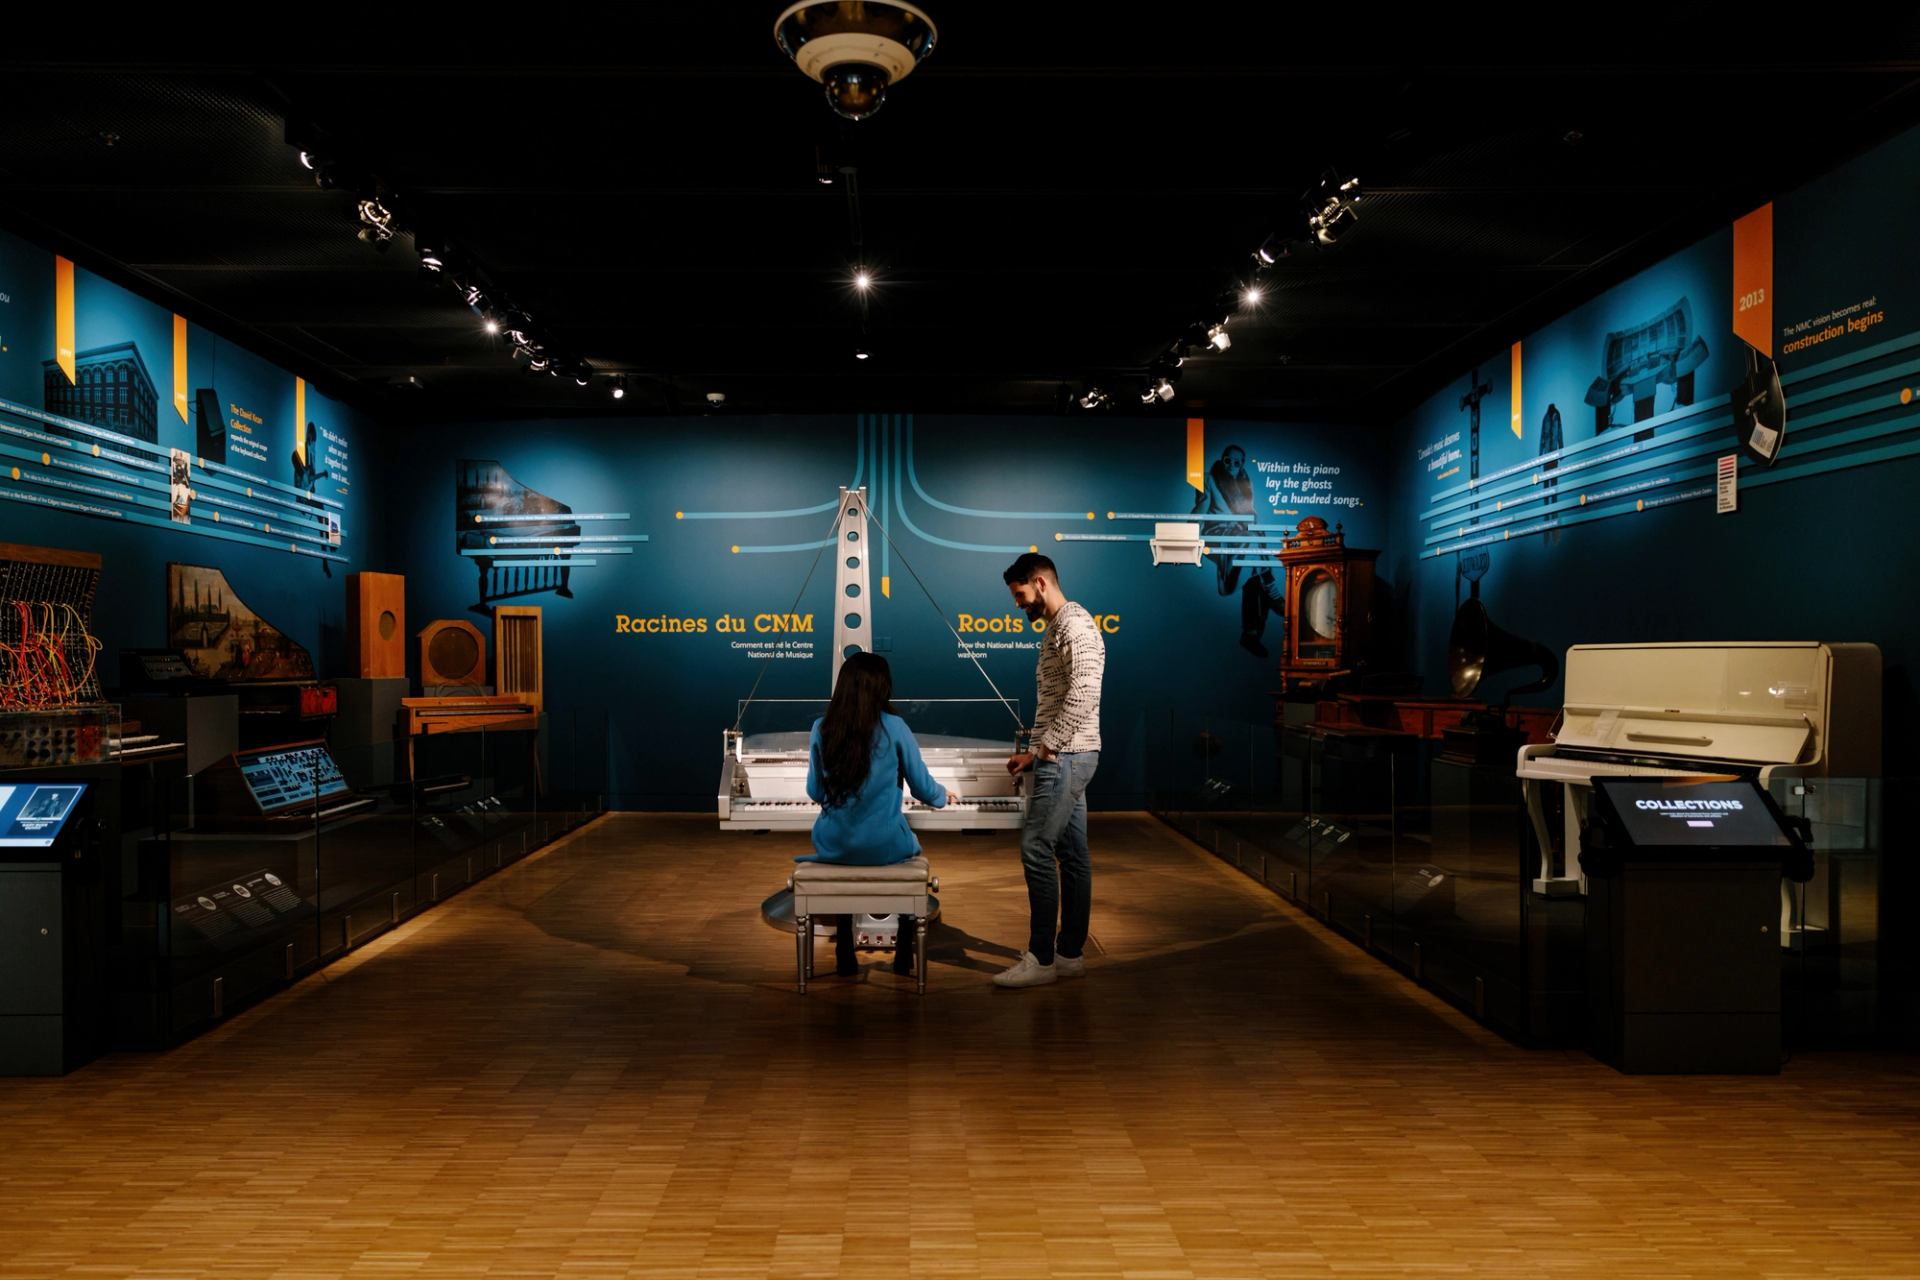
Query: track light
{"x": 1149, "y": 394}
{"x": 492, "y": 325}
{"x": 1252, "y": 295}
{"x": 1093, "y": 398}
{"x": 1271, "y": 250}
{"x": 1332, "y": 206}
{"x": 862, "y": 280}
{"x": 430, "y": 257}
{"x": 861, "y": 353}
{"x": 619, "y": 386}
{"x": 1218, "y": 337}
{"x": 1163, "y": 388}
{"x": 583, "y": 374}
{"x": 376, "y": 224}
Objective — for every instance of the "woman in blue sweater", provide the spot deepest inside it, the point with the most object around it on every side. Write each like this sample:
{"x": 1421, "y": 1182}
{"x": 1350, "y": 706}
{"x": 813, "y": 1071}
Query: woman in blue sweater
{"x": 859, "y": 754}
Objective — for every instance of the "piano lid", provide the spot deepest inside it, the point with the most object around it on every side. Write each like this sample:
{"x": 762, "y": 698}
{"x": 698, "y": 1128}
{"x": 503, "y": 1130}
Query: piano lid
{"x": 1754, "y": 703}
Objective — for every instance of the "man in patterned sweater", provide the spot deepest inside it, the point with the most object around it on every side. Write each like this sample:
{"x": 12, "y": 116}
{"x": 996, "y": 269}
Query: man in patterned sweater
{"x": 1065, "y": 752}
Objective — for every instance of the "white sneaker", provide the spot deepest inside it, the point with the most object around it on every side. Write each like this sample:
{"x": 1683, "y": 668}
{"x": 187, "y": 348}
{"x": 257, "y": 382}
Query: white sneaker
{"x": 1069, "y": 966}
{"x": 1028, "y": 972}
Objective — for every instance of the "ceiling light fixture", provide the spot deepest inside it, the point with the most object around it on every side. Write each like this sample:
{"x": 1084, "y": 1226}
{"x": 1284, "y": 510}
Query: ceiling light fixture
{"x": 619, "y": 386}
{"x": 856, "y": 48}
{"x": 1093, "y": 398}
{"x": 861, "y": 353}
{"x": 376, "y": 224}
{"x": 1271, "y": 250}
{"x": 1331, "y": 206}
{"x": 1218, "y": 337}
{"x": 1252, "y": 295}
{"x": 862, "y": 280}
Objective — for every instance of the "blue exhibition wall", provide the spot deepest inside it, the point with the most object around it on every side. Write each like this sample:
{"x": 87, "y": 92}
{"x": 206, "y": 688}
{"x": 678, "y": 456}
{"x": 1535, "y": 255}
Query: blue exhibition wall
{"x": 1596, "y": 515}
{"x": 127, "y": 431}
{"x": 721, "y": 521}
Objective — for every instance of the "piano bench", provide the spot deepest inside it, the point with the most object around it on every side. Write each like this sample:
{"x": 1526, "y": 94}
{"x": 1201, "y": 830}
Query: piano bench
{"x": 835, "y": 889}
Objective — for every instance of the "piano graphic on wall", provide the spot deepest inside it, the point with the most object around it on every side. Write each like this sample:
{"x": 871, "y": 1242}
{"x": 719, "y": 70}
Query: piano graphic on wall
{"x": 521, "y": 541}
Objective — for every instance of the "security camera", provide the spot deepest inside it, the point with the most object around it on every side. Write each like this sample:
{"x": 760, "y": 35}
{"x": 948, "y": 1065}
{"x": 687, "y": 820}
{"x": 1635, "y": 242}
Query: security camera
{"x": 856, "y": 48}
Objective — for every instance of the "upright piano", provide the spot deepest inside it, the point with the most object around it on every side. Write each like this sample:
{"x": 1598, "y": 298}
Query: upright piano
{"x": 1755, "y": 709}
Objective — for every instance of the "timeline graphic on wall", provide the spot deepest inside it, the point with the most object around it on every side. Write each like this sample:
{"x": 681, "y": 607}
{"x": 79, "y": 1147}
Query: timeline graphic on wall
{"x": 1656, "y": 442}
{"x": 1224, "y": 494}
{"x": 85, "y": 369}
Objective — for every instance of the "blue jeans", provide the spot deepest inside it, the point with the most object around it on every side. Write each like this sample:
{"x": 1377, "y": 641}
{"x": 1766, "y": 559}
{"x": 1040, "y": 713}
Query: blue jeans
{"x": 1053, "y": 852}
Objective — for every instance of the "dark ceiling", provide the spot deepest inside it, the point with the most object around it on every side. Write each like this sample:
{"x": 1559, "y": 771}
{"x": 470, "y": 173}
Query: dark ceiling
{"x": 1046, "y": 204}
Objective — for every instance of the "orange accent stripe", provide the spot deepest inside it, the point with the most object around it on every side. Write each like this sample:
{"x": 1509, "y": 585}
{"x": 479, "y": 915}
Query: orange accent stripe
{"x": 1753, "y": 279}
{"x": 63, "y": 323}
{"x": 886, "y": 587}
{"x": 1519, "y": 427}
{"x": 180, "y": 366}
{"x": 300, "y": 419}
{"x": 1197, "y": 453}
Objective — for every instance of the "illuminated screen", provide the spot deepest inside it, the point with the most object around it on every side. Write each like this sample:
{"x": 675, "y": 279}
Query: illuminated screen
{"x": 33, "y": 813}
{"x": 1700, "y": 814}
{"x": 289, "y": 776}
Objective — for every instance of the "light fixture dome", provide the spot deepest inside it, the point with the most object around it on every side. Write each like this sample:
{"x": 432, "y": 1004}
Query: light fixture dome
{"x": 856, "y": 48}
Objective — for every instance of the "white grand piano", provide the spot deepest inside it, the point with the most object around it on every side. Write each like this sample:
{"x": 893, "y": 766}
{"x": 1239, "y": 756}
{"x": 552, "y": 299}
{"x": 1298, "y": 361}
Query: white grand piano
{"x": 1761, "y": 709}
{"x": 763, "y": 784}
{"x": 763, "y": 776}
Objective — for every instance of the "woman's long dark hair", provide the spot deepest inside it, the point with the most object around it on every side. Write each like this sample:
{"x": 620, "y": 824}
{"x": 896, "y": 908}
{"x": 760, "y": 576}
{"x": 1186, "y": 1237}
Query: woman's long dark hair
{"x": 861, "y": 694}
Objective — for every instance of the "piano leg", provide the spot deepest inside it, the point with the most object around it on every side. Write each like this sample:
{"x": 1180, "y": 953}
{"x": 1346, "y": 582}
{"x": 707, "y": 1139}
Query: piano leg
{"x": 565, "y": 589}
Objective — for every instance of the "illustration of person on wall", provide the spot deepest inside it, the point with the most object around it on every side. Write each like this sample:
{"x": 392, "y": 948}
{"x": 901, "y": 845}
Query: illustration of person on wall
{"x": 1230, "y": 489}
{"x": 306, "y": 470}
{"x": 180, "y": 486}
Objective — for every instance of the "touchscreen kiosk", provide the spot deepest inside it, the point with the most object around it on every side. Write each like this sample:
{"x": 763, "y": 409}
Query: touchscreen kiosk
{"x": 33, "y": 814}
{"x": 1682, "y": 924}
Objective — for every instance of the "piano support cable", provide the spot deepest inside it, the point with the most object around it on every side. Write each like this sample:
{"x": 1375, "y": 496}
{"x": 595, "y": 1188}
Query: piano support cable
{"x": 833, "y": 534}
{"x": 965, "y": 648}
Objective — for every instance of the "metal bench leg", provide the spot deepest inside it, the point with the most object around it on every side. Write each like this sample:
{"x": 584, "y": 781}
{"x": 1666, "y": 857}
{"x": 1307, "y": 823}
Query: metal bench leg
{"x": 802, "y": 948}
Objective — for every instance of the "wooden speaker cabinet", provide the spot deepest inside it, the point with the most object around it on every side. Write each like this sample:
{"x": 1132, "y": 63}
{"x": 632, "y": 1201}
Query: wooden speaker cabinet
{"x": 453, "y": 655}
{"x": 376, "y": 625}
{"x": 1329, "y": 605}
{"x": 516, "y": 651}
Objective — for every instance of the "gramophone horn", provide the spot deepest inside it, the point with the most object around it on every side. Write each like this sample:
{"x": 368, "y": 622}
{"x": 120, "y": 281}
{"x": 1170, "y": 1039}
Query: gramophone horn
{"x": 1476, "y": 649}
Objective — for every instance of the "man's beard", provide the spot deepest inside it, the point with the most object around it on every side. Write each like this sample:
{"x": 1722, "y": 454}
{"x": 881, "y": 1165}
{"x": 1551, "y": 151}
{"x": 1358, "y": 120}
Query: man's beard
{"x": 1036, "y": 611}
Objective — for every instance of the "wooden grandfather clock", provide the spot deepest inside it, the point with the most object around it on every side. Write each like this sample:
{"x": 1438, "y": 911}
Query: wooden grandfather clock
{"x": 1329, "y": 624}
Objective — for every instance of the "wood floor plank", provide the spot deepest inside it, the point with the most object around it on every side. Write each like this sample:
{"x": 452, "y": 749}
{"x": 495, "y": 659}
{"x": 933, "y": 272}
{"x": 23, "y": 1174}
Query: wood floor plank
{"x": 594, "y": 1064}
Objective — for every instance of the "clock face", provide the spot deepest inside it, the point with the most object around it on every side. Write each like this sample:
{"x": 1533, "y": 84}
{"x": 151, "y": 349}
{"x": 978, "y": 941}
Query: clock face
{"x": 1320, "y": 607}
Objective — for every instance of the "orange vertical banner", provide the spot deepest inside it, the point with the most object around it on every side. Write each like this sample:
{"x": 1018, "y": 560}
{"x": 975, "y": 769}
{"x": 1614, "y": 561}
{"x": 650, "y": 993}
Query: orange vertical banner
{"x": 300, "y": 420}
{"x": 1197, "y": 453}
{"x": 180, "y": 367}
{"x": 63, "y": 317}
{"x": 1753, "y": 279}
{"x": 1519, "y": 430}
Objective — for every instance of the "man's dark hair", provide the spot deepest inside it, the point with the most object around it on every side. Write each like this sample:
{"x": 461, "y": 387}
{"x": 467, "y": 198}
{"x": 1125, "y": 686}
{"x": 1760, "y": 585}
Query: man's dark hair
{"x": 1023, "y": 569}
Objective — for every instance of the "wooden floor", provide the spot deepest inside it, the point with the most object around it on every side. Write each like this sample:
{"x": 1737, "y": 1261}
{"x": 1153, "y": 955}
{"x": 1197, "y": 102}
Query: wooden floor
{"x": 595, "y": 1065}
